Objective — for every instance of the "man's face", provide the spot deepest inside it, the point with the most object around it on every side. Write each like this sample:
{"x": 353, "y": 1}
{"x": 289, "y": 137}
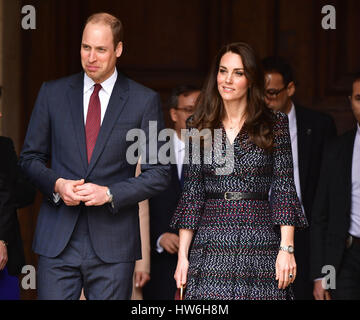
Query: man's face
{"x": 98, "y": 57}
{"x": 185, "y": 108}
{"x": 355, "y": 100}
{"x": 277, "y": 95}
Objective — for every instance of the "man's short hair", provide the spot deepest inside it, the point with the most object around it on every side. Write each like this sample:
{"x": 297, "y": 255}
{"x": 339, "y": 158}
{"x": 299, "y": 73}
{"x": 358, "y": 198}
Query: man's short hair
{"x": 355, "y": 77}
{"x": 279, "y": 65}
{"x": 185, "y": 90}
{"x": 113, "y": 22}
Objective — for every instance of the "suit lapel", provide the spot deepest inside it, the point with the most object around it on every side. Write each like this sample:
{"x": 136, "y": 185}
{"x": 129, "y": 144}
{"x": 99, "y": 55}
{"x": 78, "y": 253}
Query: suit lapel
{"x": 75, "y": 97}
{"x": 304, "y": 136}
{"x": 116, "y": 104}
{"x": 346, "y": 173}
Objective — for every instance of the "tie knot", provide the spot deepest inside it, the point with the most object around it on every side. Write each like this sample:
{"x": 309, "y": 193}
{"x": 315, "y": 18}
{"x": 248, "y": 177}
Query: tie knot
{"x": 97, "y": 88}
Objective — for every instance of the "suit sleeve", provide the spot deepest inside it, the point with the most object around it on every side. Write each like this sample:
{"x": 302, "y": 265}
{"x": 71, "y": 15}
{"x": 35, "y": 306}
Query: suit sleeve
{"x": 154, "y": 176}
{"x": 37, "y": 147}
{"x": 5, "y": 216}
{"x": 192, "y": 200}
{"x": 285, "y": 205}
{"x": 319, "y": 221}
{"x": 23, "y": 192}
{"x": 8, "y": 170}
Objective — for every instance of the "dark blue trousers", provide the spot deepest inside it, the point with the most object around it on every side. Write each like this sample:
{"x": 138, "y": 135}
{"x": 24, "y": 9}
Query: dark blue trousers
{"x": 77, "y": 267}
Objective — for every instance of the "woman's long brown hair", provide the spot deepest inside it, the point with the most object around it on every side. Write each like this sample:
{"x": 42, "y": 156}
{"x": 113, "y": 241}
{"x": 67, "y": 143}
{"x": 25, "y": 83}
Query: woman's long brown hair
{"x": 210, "y": 108}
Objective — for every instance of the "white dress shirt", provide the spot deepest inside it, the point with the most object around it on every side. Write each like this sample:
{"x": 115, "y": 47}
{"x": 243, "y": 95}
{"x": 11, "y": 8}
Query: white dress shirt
{"x": 294, "y": 149}
{"x": 104, "y": 93}
{"x": 104, "y": 96}
{"x": 355, "y": 188}
{"x": 179, "y": 149}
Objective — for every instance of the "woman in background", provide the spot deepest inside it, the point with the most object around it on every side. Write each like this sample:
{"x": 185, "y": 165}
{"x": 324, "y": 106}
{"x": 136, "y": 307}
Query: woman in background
{"x": 15, "y": 192}
{"x": 243, "y": 244}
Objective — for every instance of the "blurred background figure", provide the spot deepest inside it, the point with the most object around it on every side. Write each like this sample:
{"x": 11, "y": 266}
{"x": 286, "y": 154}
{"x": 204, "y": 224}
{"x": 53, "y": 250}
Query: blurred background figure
{"x": 335, "y": 230}
{"x": 142, "y": 267}
{"x": 15, "y": 192}
{"x": 309, "y": 130}
{"x": 164, "y": 241}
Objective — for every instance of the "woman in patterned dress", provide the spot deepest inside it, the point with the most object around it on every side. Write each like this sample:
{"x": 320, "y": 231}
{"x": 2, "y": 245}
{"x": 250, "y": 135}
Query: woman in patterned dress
{"x": 236, "y": 230}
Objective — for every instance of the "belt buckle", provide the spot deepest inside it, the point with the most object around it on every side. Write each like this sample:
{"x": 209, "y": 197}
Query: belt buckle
{"x": 234, "y": 196}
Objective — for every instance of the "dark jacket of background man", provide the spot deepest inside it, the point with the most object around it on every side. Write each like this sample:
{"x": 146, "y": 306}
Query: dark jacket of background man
{"x": 15, "y": 192}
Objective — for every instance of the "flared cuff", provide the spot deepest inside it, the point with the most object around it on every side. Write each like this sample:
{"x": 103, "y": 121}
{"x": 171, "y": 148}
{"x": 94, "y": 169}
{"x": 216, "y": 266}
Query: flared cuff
{"x": 187, "y": 214}
{"x": 286, "y": 210}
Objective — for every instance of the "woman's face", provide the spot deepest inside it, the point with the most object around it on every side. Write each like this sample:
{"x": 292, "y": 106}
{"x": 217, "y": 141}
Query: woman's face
{"x": 231, "y": 81}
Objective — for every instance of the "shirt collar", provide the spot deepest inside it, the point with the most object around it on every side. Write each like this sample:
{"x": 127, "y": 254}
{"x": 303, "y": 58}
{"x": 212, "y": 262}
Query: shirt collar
{"x": 358, "y": 130}
{"x": 107, "y": 85}
{"x": 179, "y": 144}
{"x": 292, "y": 115}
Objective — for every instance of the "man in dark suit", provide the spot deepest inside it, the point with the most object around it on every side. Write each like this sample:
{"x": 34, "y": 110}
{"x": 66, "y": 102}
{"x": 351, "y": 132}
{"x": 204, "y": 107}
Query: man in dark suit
{"x": 335, "y": 230}
{"x": 90, "y": 237}
{"x": 164, "y": 241}
{"x": 15, "y": 192}
{"x": 309, "y": 130}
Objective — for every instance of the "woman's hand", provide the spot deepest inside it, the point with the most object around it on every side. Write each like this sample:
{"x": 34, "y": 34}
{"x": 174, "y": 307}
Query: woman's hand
{"x": 285, "y": 265}
{"x": 181, "y": 272}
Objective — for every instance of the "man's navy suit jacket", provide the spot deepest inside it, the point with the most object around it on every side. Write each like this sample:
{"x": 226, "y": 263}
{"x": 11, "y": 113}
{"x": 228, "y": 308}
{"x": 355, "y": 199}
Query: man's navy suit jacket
{"x": 332, "y": 206}
{"x": 56, "y": 133}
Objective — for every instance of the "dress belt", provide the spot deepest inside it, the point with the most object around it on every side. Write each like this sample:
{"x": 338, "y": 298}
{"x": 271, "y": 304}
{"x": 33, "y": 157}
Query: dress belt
{"x": 237, "y": 195}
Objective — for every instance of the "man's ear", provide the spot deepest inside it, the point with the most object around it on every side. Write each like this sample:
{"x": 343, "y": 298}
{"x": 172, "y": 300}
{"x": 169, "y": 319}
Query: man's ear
{"x": 119, "y": 49}
{"x": 173, "y": 114}
{"x": 291, "y": 89}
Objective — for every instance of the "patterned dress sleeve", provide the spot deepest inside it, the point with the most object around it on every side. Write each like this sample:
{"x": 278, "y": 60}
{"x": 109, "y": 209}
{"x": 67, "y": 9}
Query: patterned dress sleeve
{"x": 192, "y": 200}
{"x": 284, "y": 202}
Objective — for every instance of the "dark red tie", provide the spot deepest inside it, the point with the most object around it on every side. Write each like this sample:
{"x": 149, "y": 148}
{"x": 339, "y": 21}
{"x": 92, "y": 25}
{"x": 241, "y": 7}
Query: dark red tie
{"x": 93, "y": 119}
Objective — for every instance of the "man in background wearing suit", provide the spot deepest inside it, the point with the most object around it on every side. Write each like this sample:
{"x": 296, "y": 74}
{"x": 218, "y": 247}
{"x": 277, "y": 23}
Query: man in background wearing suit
{"x": 309, "y": 130}
{"x": 87, "y": 232}
{"x": 164, "y": 241}
{"x": 335, "y": 229}
{"x": 15, "y": 192}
